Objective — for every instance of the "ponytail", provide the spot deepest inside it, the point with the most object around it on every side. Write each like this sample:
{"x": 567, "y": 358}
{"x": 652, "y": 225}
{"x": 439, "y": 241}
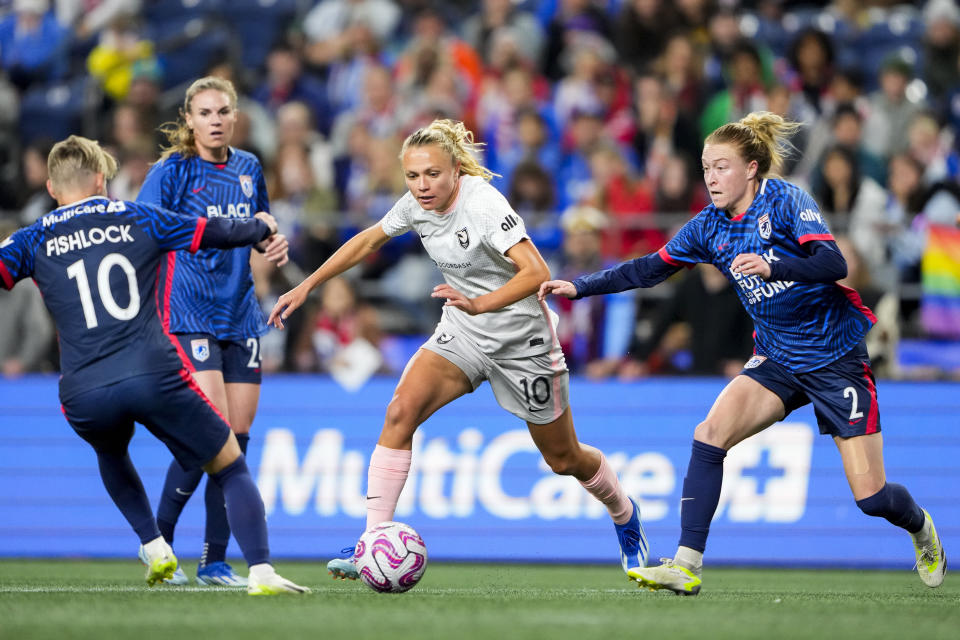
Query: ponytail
{"x": 762, "y": 136}
{"x": 454, "y": 138}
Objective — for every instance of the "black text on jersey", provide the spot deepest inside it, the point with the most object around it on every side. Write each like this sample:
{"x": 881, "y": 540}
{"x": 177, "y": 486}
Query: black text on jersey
{"x": 509, "y": 222}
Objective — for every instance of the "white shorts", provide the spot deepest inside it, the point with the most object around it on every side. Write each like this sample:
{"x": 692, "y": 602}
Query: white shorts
{"x": 536, "y": 389}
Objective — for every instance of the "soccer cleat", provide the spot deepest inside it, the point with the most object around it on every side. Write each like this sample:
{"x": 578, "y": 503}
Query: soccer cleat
{"x": 178, "y": 579}
{"x": 344, "y": 568}
{"x": 219, "y": 574}
{"x": 669, "y": 575}
{"x": 161, "y": 563}
{"x": 270, "y": 583}
{"x": 931, "y": 559}
{"x": 633, "y": 543}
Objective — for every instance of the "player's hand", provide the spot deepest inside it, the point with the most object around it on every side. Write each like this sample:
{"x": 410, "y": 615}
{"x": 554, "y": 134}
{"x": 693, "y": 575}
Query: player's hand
{"x": 750, "y": 264}
{"x": 287, "y": 304}
{"x": 275, "y": 249}
{"x": 557, "y": 288}
{"x": 268, "y": 219}
{"x": 454, "y": 298}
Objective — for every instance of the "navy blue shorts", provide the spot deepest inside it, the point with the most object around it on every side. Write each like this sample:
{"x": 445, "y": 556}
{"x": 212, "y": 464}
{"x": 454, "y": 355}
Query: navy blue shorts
{"x": 843, "y": 393}
{"x": 239, "y": 360}
{"x": 169, "y": 404}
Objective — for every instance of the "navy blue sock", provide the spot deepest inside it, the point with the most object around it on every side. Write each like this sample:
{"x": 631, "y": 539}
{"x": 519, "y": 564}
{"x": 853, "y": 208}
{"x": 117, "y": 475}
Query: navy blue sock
{"x": 244, "y": 510}
{"x": 701, "y": 494}
{"x": 177, "y": 489}
{"x": 125, "y": 488}
{"x": 894, "y": 503}
{"x": 217, "y": 533}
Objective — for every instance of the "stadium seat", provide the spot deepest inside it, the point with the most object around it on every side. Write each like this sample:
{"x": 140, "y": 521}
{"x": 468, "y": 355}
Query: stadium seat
{"x": 57, "y": 109}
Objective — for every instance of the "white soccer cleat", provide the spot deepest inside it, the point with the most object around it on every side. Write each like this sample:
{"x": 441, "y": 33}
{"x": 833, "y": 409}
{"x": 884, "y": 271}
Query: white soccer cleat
{"x": 931, "y": 559}
{"x": 161, "y": 563}
{"x": 265, "y": 581}
{"x": 669, "y": 575}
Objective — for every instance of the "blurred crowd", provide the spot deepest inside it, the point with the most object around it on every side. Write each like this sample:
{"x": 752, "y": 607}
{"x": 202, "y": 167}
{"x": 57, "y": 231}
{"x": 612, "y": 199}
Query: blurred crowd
{"x": 592, "y": 113}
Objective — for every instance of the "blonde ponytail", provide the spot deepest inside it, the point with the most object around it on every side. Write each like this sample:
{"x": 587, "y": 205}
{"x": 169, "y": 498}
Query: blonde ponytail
{"x": 762, "y": 136}
{"x": 454, "y": 138}
{"x": 179, "y": 136}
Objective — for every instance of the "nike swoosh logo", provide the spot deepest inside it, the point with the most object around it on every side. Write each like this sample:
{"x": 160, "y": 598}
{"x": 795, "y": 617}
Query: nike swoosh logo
{"x": 424, "y": 236}
{"x": 682, "y": 499}
{"x": 198, "y": 189}
{"x": 535, "y": 410}
{"x": 183, "y": 493}
{"x": 374, "y": 497}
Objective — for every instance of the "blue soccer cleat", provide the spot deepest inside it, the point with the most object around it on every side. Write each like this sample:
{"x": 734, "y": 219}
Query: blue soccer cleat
{"x": 633, "y": 542}
{"x": 344, "y": 568}
{"x": 219, "y": 574}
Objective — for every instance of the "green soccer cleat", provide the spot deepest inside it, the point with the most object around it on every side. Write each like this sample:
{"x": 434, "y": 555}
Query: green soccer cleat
{"x": 160, "y": 561}
{"x": 931, "y": 560}
{"x": 669, "y": 575}
{"x": 178, "y": 579}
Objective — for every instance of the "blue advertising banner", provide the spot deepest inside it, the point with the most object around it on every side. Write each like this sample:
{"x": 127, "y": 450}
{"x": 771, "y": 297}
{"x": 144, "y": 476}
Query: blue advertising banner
{"x": 478, "y": 489}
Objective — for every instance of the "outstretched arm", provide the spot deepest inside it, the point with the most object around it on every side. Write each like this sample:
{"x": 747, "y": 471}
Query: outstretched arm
{"x": 642, "y": 272}
{"x": 221, "y": 233}
{"x": 531, "y": 271}
{"x": 351, "y": 253}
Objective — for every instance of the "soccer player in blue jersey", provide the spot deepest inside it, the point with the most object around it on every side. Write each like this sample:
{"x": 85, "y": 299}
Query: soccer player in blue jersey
{"x": 96, "y": 262}
{"x": 768, "y": 238}
{"x": 208, "y": 297}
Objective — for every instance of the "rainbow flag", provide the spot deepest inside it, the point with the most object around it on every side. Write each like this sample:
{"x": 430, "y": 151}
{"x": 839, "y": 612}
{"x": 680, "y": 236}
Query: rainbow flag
{"x": 940, "y": 305}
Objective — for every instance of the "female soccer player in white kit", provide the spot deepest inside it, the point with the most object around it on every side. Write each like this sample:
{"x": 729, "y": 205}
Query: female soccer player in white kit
{"x": 492, "y": 328}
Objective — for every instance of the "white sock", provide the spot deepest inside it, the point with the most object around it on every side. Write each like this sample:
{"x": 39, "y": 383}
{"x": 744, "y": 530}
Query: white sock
{"x": 689, "y": 558}
{"x": 157, "y": 547}
{"x": 262, "y": 571}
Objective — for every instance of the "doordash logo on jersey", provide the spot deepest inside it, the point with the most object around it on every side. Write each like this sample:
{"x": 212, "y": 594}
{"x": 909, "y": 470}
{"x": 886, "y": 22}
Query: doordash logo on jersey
{"x": 238, "y": 210}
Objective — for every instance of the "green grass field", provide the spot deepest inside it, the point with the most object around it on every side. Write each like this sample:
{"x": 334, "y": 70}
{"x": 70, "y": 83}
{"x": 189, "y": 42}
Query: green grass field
{"x": 107, "y": 599}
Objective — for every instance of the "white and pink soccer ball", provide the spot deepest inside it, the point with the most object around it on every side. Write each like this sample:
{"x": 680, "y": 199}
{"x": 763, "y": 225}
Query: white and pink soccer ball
{"x": 391, "y": 557}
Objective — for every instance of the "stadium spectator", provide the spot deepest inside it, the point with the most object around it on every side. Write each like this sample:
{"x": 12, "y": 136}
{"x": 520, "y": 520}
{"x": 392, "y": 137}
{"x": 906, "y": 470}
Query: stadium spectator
{"x": 216, "y": 327}
{"x": 531, "y": 192}
{"x": 811, "y": 56}
{"x": 490, "y": 317}
{"x": 33, "y": 44}
{"x": 577, "y": 25}
{"x": 327, "y": 26}
{"x": 662, "y": 129}
{"x": 27, "y": 336}
{"x": 746, "y": 92}
{"x": 809, "y": 340}
{"x": 121, "y": 54}
{"x": 681, "y": 69}
{"x": 35, "y": 200}
{"x": 890, "y": 109}
{"x": 286, "y": 81}
{"x": 502, "y": 18}
{"x": 596, "y": 331}
{"x": 641, "y": 32}
{"x": 941, "y": 50}
{"x": 684, "y": 340}
{"x": 377, "y": 110}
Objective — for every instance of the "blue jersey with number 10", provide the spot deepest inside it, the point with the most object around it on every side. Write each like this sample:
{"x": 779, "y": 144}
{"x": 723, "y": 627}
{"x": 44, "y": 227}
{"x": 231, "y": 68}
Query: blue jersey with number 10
{"x": 801, "y": 325}
{"x": 210, "y": 291}
{"x": 96, "y": 263}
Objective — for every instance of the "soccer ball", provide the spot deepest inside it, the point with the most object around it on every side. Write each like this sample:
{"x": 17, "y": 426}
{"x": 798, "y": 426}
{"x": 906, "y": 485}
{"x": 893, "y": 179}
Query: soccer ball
{"x": 391, "y": 557}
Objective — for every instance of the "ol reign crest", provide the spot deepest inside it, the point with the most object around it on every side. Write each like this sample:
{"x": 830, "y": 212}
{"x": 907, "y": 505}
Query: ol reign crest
{"x": 463, "y": 237}
{"x": 764, "y": 227}
{"x": 200, "y": 349}
{"x": 246, "y": 185}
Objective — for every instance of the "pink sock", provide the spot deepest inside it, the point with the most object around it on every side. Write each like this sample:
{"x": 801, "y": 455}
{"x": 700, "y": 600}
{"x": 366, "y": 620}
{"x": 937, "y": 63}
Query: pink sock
{"x": 385, "y": 479}
{"x": 606, "y": 488}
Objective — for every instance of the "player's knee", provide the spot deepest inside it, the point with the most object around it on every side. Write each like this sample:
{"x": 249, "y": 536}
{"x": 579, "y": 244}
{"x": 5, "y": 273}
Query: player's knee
{"x": 878, "y": 504}
{"x": 401, "y": 419}
{"x": 709, "y": 432}
{"x": 562, "y": 464}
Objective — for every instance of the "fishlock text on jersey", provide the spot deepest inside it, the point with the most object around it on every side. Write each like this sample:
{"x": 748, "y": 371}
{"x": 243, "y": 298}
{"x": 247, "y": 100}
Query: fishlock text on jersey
{"x": 88, "y": 237}
{"x": 238, "y": 210}
{"x": 113, "y": 206}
